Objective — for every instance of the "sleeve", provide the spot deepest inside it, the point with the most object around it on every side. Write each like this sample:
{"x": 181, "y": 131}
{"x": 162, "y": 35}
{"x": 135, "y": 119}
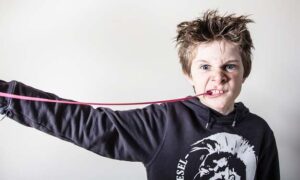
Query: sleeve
{"x": 132, "y": 135}
{"x": 268, "y": 162}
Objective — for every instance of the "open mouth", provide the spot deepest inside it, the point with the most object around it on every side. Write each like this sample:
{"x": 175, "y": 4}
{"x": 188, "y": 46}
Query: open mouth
{"x": 215, "y": 92}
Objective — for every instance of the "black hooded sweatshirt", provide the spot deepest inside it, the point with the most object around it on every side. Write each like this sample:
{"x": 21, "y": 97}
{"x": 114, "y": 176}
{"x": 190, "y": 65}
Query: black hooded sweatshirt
{"x": 182, "y": 140}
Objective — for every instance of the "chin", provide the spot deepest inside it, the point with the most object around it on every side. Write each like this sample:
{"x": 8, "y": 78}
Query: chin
{"x": 219, "y": 106}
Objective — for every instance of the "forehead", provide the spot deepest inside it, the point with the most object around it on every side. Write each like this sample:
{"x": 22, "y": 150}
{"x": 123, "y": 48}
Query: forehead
{"x": 221, "y": 50}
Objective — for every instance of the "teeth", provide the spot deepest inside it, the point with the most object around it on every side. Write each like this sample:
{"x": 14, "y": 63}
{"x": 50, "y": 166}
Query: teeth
{"x": 215, "y": 91}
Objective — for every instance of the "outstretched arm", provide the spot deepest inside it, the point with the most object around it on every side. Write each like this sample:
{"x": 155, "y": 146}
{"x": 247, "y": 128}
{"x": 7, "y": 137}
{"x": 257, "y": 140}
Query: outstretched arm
{"x": 132, "y": 135}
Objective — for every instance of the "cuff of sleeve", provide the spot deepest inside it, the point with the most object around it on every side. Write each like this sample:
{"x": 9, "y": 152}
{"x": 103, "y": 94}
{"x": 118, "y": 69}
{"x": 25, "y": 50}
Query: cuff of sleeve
{"x": 5, "y": 103}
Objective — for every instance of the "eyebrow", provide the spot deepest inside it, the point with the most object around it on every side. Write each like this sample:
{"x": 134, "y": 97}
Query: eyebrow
{"x": 229, "y": 61}
{"x": 233, "y": 60}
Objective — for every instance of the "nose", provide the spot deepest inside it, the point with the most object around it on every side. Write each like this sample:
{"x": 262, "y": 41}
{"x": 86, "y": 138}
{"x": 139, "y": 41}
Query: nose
{"x": 219, "y": 77}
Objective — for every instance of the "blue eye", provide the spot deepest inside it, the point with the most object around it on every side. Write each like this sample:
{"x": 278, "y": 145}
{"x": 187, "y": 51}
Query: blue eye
{"x": 205, "y": 67}
{"x": 230, "y": 67}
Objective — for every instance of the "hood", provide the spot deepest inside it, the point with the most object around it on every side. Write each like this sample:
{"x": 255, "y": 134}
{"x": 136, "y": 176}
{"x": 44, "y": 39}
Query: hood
{"x": 211, "y": 116}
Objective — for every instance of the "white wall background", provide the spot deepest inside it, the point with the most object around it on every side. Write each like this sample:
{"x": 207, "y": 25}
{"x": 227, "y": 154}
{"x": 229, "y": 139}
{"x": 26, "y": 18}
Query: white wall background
{"x": 124, "y": 50}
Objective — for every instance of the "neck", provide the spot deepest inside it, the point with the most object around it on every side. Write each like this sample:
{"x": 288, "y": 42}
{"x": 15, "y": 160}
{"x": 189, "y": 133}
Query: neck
{"x": 225, "y": 110}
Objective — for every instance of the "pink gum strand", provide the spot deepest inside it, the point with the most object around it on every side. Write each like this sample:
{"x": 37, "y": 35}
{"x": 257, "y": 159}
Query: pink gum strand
{"x": 14, "y": 96}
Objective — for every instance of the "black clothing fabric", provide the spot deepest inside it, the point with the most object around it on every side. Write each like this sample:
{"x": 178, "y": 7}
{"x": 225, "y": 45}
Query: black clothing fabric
{"x": 175, "y": 141}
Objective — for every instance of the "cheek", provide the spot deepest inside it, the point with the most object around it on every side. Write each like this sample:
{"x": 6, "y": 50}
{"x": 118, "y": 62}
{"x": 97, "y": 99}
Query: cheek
{"x": 201, "y": 84}
{"x": 236, "y": 83}
{"x": 197, "y": 78}
{"x": 237, "y": 78}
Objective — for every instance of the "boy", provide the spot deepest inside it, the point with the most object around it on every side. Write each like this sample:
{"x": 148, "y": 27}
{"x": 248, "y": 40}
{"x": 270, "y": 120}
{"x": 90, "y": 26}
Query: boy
{"x": 210, "y": 137}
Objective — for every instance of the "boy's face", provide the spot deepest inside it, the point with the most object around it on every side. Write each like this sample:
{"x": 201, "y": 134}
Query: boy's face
{"x": 217, "y": 67}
